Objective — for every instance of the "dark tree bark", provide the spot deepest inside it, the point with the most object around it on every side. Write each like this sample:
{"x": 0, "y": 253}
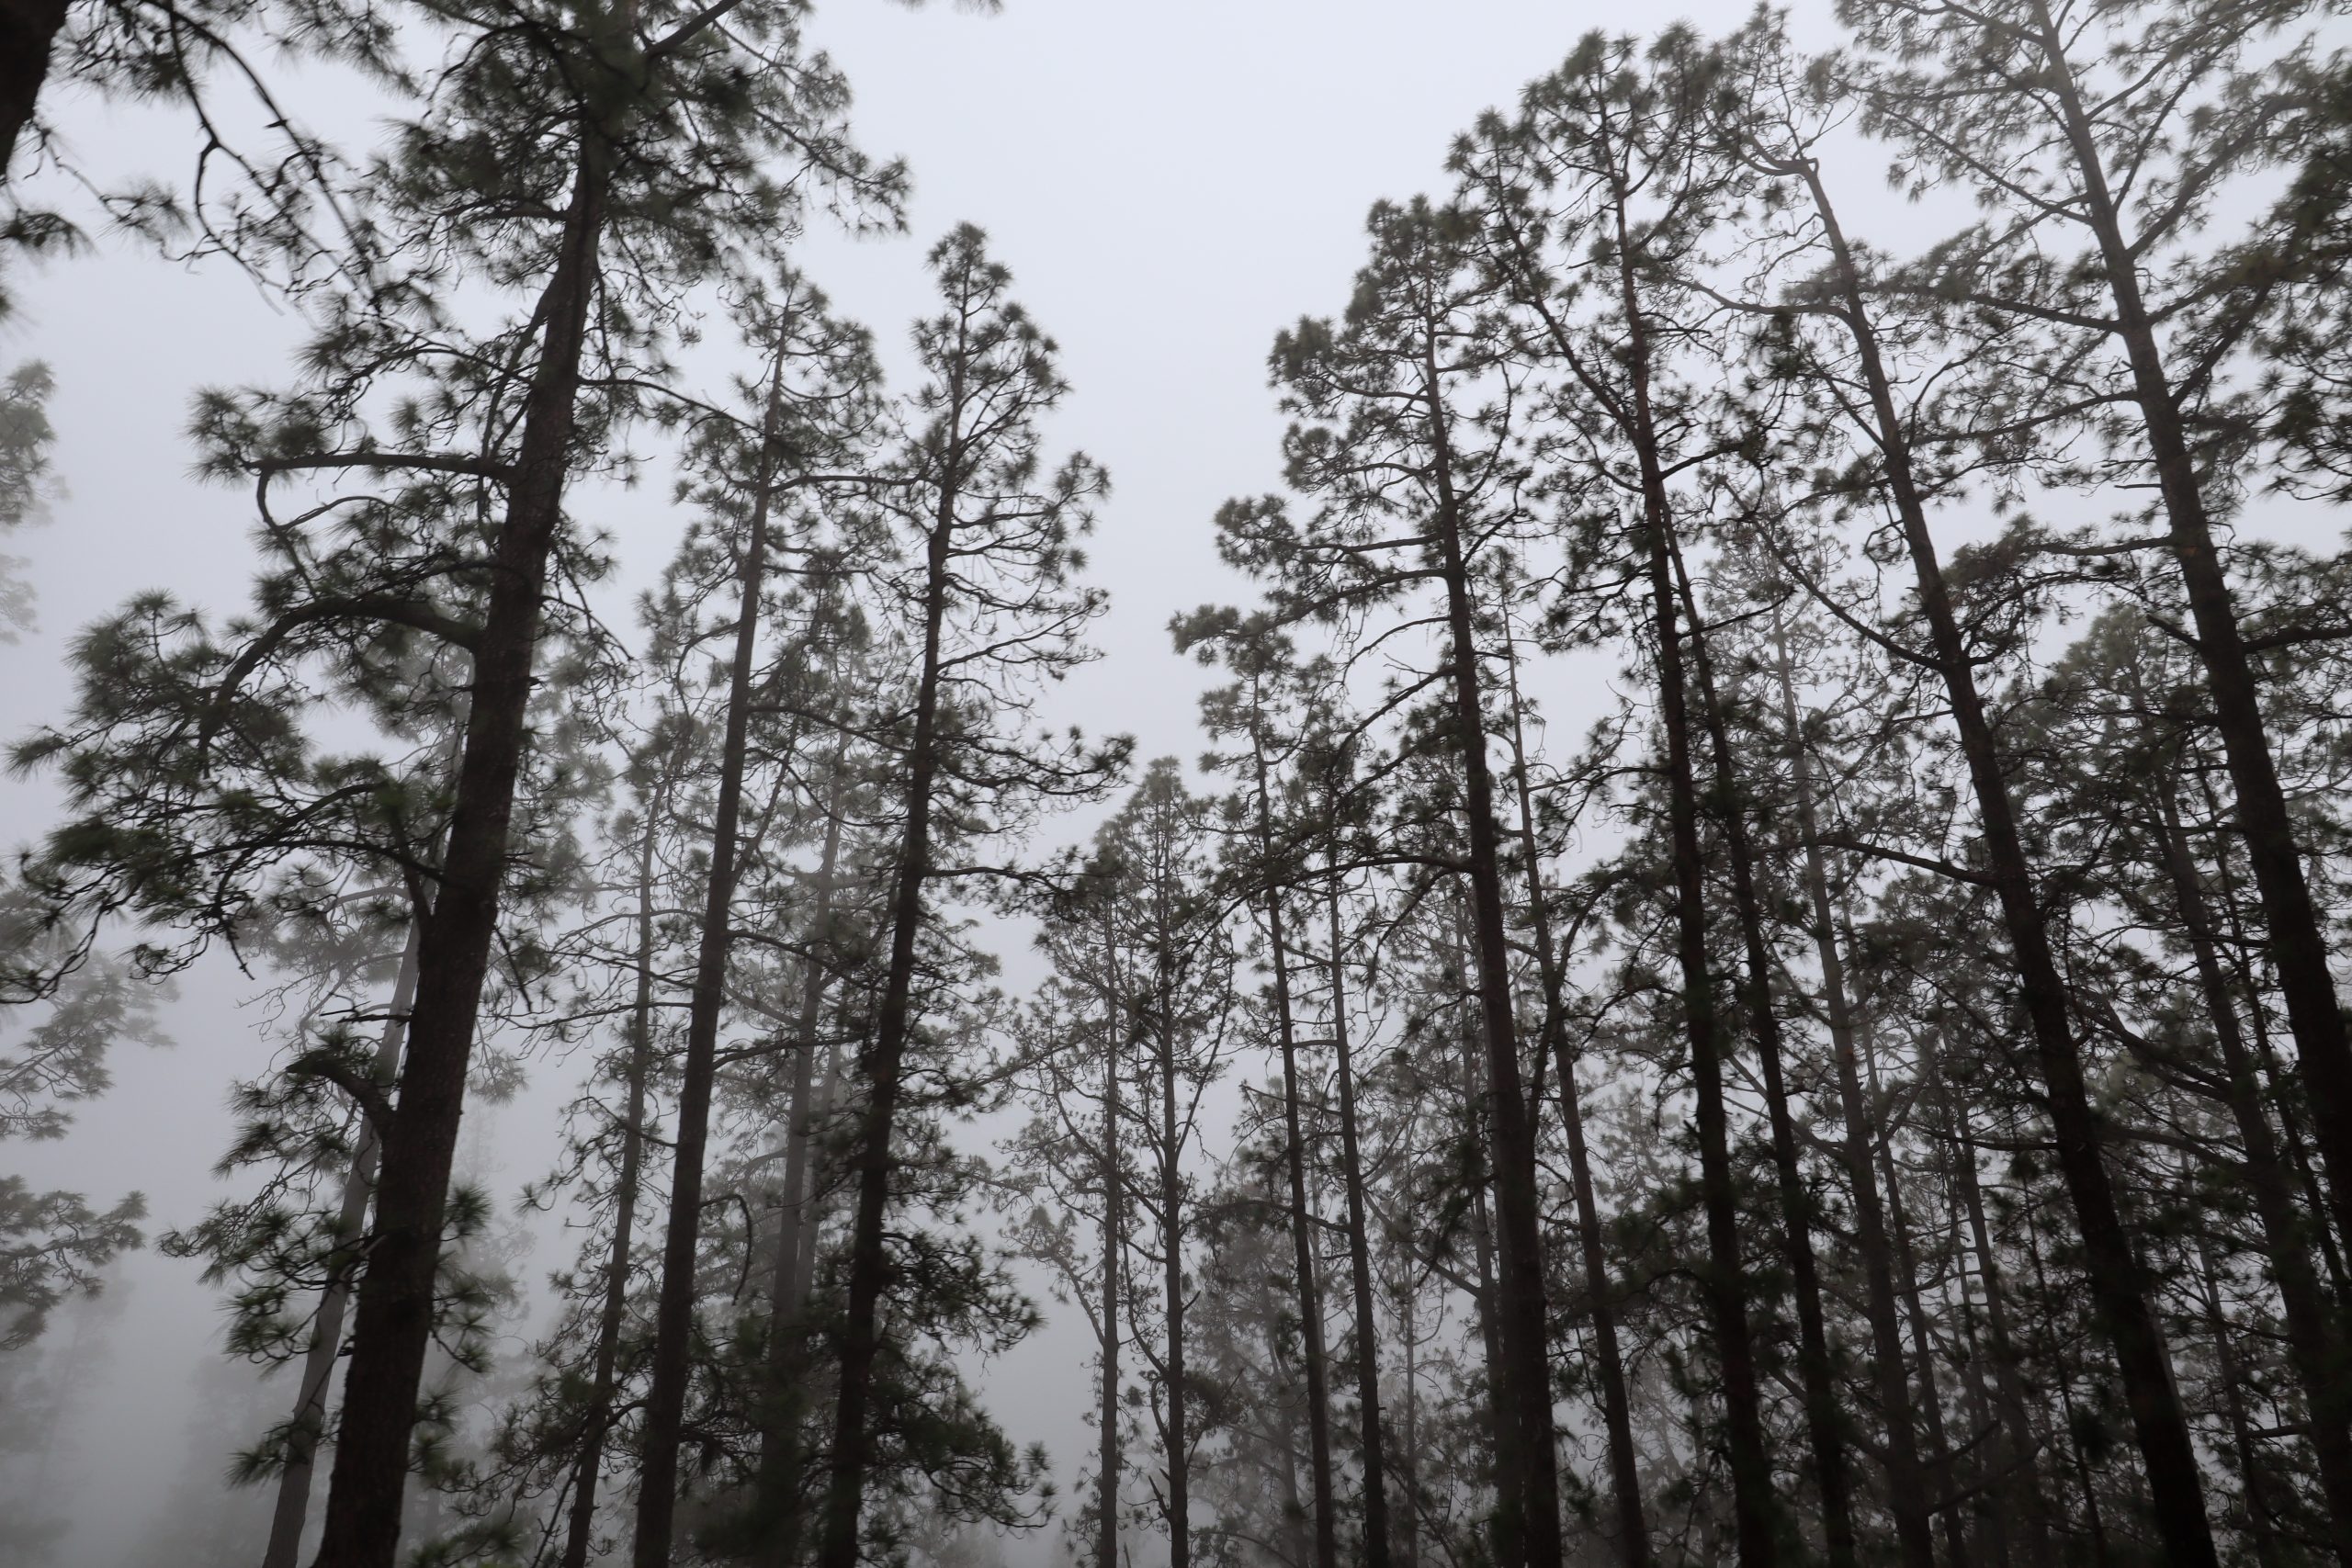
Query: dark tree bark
{"x": 2319, "y": 1356}
{"x": 1176, "y": 1439}
{"x": 394, "y": 1322}
{"x": 2297, "y": 945}
{"x": 1616, "y": 1403}
{"x": 1528, "y": 1511}
{"x": 292, "y": 1510}
{"x": 28, "y": 31}
{"x": 1907, "y": 1489}
{"x": 885, "y": 1065}
{"x": 1302, "y": 1219}
{"x": 1825, "y": 1421}
{"x": 665, "y": 1400}
{"x": 2119, "y": 1286}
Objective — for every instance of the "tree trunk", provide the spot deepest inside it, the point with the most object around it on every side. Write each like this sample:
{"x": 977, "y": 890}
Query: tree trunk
{"x": 1825, "y": 1422}
{"x": 2261, "y": 1522}
{"x": 2118, "y": 1284}
{"x": 393, "y": 1322}
{"x": 884, "y": 1072}
{"x": 2023, "y": 1446}
{"x": 1907, "y": 1490}
{"x": 1528, "y": 1513}
{"x": 2318, "y": 1355}
{"x": 665, "y": 1402}
{"x": 28, "y": 31}
{"x": 2296, "y": 944}
{"x": 782, "y": 1452}
{"x": 1367, "y": 1340}
{"x": 596, "y": 1425}
{"x": 1172, "y": 1200}
{"x": 308, "y": 1422}
{"x": 1106, "y": 1543}
{"x": 1310, "y": 1295}
{"x": 1616, "y": 1403}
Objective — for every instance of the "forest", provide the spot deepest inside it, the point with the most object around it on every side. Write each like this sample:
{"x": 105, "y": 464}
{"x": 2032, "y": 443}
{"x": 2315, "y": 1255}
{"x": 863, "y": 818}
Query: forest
{"x": 1742, "y": 956}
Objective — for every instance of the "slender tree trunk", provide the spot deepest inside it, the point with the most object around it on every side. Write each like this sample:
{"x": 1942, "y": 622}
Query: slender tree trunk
{"x": 1907, "y": 1490}
{"x": 308, "y": 1422}
{"x": 393, "y": 1321}
{"x": 2297, "y": 945}
{"x": 1310, "y": 1295}
{"x": 2023, "y": 1446}
{"x": 665, "y": 1402}
{"x": 588, "y": 1468}
{"x": 1527, "y": 1512}
{"x": 1106, "y": 1541}
{"x": 783, "y": 1451}
{"x": 2241, "y": 950}
{"x": 2319, "y": 1356}
{"x": 1367, "y": 1338}
{"x": 1825, "y": 1422}
{"x": 1725, "y": 1284}
{"x": 861, "y": 1341}
{"x": 1409, "y": 1530}
{"x": 2119, "y": 1285}
{"x": 2092, "y": 1521}
{"x": 1616, "y": 1403}
{"x": 1923, "y": 1343}
{"x": 1172, "y": 1202}
{"x": 1724, "y": 1288}
{"x": 2260, "y": 1519}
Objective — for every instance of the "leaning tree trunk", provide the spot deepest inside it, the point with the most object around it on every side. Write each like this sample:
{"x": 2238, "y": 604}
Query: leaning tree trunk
{"x": 28, "y": 31}
{"x": 665, "y": 1400}
{"x": 308, "y": 1422}
{"x": 2118, "y": 1283}
{"x": 2297, "y": 945}
{"x": 1907, "y": 1487}
{"x": 2320, "y": 1359}
{"x": 1825, "y": 1422}
{"x": 2007, "y": 1386}
{"x": 1724, "y": 1285}
{"x": 394, "y": 1322}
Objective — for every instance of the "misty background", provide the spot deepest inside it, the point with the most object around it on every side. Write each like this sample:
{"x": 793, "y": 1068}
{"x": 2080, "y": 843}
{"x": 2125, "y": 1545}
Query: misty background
{"x": 1169, "y": 184}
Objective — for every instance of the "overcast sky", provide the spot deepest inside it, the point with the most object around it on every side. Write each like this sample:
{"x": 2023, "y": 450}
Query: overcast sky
{"x": 1170, "y": 183}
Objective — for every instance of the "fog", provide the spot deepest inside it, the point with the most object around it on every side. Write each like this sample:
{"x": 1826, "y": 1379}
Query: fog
{"x": 1169, "y": 184}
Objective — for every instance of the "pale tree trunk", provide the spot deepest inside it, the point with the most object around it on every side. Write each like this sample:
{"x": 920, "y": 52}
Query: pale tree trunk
{"x": 782, "y": 1458}
{"x": 589, "y": 1467}
{"x": 308, "y": 1424}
